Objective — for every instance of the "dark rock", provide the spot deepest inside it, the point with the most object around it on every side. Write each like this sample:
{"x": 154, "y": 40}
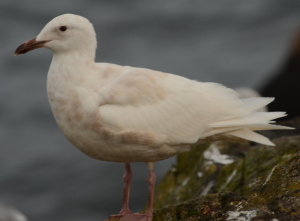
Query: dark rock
{"x": 284, "y": 85}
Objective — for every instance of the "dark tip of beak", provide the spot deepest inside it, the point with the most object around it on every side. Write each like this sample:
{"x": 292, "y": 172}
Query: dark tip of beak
{"x": 19, "y": 50}
{"x": 29, "y": 46}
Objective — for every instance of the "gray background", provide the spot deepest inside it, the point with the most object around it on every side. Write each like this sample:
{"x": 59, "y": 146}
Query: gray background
{"x": 233, "y": 42}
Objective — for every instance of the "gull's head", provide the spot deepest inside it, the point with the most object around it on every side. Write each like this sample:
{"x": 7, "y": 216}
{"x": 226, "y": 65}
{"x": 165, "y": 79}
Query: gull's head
{"x": 64, "y": 34}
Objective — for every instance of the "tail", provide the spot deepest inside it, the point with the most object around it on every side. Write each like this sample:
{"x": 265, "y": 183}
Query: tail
{"x": 244, "y": 126}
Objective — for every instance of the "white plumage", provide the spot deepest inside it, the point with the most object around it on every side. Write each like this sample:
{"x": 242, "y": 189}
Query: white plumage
{"x": 183, "y": 111}
{"x": 126, "y": 114}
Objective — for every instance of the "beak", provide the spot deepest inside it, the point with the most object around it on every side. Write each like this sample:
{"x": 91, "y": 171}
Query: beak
{"x": 29, "y": 46}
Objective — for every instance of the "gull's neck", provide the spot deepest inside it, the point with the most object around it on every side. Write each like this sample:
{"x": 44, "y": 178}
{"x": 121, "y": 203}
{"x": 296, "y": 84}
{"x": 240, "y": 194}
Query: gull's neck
{"x": 69, "y": 74}
{"x": 73, "y": 68}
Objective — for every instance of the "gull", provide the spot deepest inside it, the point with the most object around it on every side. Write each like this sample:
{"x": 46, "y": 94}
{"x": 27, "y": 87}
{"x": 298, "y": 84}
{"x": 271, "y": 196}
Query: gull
{"x": 126, "y": 114}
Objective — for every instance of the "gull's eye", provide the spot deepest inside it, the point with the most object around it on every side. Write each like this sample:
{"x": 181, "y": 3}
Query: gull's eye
{"x": 63, "y": 28}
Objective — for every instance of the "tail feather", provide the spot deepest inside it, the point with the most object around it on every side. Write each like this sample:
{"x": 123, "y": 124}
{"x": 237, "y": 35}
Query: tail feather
{"x": 255, "y": 103}
{"x": 268, "y": 115}
{"x": 244, "y": 126}
{"x": 269, "y": 127}
{"x": 250, "y": 135}
{"x": 251, "y": 119}
{"x": 220, "y": 130}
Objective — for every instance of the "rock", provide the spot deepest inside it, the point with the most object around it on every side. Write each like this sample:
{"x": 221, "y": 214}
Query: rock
{"x": 240, "y": 168}
{"x": 234, "y": 181}
{"x": 224, "y": 166}
{"x": 273, "y": 197}
{"x": 222, "y": 206}
{"x": 195, "y": 173}
{"x": 207, "y": 175}
{"x": 283, "y": 85}
{"x": 280, "y": 189}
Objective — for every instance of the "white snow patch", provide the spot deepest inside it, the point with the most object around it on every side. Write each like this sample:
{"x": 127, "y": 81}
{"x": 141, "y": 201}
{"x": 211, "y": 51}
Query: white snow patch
{"x": 269, "y": 176}
{"x": 275, "y": 220}
{"x": 207, "y": 188}
{"x": 199, "y": 174}
{"x": 213, "y": 154}
{"x": 241, "y": 215}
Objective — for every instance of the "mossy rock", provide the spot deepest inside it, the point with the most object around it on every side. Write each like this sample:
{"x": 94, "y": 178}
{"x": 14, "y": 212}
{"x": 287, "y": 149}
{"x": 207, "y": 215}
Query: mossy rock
{"x": 275, "y": 196}
{"x": 196, "y": 175}
{"x": 280, "y": 189}
{"x": 242, "y": 181}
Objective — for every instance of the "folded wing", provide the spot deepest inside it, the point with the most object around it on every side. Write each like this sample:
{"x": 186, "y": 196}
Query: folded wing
{"x": 180, "y": 108}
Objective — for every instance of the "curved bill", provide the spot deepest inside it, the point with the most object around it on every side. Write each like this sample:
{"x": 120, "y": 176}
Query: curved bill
{"x": 29, "y": 46}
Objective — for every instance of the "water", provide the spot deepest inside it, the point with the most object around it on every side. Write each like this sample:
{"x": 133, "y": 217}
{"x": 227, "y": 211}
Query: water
{"x": 236, "y": 43}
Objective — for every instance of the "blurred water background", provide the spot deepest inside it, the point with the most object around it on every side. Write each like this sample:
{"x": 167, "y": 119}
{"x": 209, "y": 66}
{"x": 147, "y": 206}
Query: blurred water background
{"x": 233, "y": 42}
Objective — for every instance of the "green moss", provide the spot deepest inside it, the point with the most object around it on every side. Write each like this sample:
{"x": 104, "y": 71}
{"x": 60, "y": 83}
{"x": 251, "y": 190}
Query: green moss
{"x": 179, "y": 183}
{"x": 258, "y": 161}
{"x": 261, "y": 159}
{"x": 167, "y": 213}
{"x": 164, "y": 190}
{"x": 280, "y": 189}
{"x": 252, "y": 167}
{"x": 187, "y": 161}
{"x": 230, "y": 177}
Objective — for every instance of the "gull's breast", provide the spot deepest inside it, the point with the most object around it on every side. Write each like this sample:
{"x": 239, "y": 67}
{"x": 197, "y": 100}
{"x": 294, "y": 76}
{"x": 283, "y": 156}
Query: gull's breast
{"x": 77, "y": 112}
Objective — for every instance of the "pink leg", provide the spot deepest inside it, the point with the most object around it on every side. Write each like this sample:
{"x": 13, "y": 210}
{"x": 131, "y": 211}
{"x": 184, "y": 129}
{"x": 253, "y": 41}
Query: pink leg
{"x": 127, "y": 182}
{"x": 125, "y": 213}
{"x": 148, "y": 216}
{"x": 151, "y": 184}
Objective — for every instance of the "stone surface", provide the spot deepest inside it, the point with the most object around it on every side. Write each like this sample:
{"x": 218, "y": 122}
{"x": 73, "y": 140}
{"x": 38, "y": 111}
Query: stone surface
{"x": 234, "y": 181}
{"x": 225, "y": 166}
{"x": 280, "y": 189}
{"x": 273, "y": 197}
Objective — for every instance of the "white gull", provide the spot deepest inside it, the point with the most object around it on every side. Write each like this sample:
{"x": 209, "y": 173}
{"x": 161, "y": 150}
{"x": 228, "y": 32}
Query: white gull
{"x": 126, "y": 114}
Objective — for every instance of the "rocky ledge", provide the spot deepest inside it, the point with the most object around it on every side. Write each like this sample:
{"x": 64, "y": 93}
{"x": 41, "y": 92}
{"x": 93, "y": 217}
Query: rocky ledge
{"x": 234, "y": 181}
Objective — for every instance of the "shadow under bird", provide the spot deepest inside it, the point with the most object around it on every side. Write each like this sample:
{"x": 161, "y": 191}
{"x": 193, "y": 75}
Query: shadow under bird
{"x": 126, "y": 114}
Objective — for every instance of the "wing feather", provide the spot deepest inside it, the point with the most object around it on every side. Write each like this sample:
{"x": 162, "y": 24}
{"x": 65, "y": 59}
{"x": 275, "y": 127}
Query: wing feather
{"x": 146, "y": 100}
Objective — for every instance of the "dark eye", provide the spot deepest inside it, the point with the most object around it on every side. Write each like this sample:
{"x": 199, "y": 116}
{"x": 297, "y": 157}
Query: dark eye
{"x": 63, "y": 28}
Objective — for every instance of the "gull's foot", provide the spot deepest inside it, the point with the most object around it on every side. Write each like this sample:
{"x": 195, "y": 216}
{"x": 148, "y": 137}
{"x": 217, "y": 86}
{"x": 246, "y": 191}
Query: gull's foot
{"x": 136, "y": 217}
{"x": 118, "y": 216}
